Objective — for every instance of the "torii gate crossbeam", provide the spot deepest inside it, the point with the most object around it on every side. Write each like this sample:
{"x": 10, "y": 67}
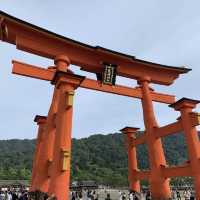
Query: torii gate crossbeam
{"x": 47, "y": 74}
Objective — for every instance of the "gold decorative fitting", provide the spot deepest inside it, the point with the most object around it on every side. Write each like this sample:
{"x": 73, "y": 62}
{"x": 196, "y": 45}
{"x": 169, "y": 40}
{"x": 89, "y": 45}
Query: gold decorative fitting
{"x": 195, "y": 119}
{"x": 198, "y": 118}
{"x": 65, "y": 160}
{"x": 69, "y": 97}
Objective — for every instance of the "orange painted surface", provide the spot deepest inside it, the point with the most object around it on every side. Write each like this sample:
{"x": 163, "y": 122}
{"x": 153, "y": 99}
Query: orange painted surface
{"x": 51, "y": 128}
{"x": 143, "y": 175}
{"x": 47, "y": 74}
{"x": 90, "y": 60}
{"x": 59, "y": 182}
{"x": 32, "y": 71}
{"x": 139, "y": 140}
{"x": 134, "y": 183}
{"x": 41, "y": 121}
{"x": 185, "y": 106}
{"x": 47, "y": 151}
{"x": 155, "y": 150}
{"x": 65, "y": 84}
{"x": 176, "y": 171}
{"x": 169, "y": 129}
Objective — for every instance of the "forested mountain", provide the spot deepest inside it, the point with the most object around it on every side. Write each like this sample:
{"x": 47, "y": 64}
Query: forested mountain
{"x": 99, "y": 157}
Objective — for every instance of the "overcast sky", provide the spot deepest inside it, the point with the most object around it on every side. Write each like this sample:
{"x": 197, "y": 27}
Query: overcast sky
{"x": 166, "y": 32}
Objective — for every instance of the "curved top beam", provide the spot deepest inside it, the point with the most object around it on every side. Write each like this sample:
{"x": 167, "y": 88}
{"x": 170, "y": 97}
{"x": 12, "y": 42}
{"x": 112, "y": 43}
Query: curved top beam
{"x": 36, "y": 40}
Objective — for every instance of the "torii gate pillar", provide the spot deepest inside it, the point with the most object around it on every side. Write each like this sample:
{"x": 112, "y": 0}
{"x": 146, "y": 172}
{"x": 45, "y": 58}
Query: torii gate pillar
{"x": 66, "y": 83}
{"x": 159, "y": 185}
{"x": 185, "y": 106}
{"x": 41, "y": 122}
{"x": 134, "y": 183}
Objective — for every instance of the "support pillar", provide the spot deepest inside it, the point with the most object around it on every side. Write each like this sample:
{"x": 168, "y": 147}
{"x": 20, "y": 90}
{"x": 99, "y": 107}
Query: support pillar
{"x": 134, "y": 183}
{"x": 66, "y": 83}
{"x": 47, "y": 149}
{"x": 41, "y": 121}
{"x": 44, "y": 171}
{"x": 159, "y": 186}
{"x": 185, "y": 106}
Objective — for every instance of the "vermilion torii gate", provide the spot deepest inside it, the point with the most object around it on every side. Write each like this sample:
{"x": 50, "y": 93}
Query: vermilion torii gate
{"x": 51, "y": 165}
{"x": 159, "y": 171}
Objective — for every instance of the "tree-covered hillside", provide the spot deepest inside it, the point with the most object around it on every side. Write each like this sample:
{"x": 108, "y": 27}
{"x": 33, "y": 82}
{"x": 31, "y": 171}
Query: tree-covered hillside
{"x": 99, "y": 157}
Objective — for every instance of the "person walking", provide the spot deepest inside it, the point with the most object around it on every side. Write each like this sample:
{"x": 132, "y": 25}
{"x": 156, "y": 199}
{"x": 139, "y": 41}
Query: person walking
{"x": 148, "y": 196}
{"x": 178, "y": 195}
{"x": 187, "y": 194}
{"x": 108, "y": 197}
{"x": 192, "y": 196}
{"x": 14, "y": 195}
{"x": 120, "y": 195}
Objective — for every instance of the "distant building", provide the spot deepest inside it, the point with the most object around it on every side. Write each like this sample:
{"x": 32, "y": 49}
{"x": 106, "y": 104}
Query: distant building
{"x": 79, "y": 185}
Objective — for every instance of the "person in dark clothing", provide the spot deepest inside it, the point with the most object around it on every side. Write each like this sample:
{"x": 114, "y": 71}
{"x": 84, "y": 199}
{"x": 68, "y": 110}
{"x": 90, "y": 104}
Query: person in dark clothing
{"x": 73, "y": 196}
{"x": 24, "y": 196}
{"x": 123, "y": 196}
{"x": 14, "y": 196}
{"x": 148, "y": 196}
{"x": 46, "y": 196}
{"x": 95, "y": 195}
{"x": 178, "y": 195}
{"x": 108, "y": 197}
{"x": 192, "y": 196}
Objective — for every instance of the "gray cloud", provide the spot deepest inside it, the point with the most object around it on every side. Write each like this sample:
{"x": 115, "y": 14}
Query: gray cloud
{"x": 161, "y": 31}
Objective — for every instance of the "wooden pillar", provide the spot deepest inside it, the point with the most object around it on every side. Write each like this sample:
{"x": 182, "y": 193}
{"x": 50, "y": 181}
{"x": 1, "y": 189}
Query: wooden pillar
{"x": 44, "y": 172}
{"x": 66, "y": 83}
{"x": 159, "y": 186}
{"x": 134, "y": 183}
{"x": 41, "y": 121}
{"x": 185, "y": 106}
{"x": 47, "y": 150}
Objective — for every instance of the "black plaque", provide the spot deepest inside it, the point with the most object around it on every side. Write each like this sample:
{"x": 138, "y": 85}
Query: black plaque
{"x": 109, "y": 74}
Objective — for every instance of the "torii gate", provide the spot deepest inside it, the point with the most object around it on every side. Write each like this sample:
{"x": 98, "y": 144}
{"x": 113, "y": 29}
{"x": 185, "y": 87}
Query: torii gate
{"x": 51, "y": 165}
{"x": 186, "y": 124}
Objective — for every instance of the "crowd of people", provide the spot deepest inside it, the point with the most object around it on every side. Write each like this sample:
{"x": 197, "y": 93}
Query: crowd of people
{"x": 187, "y": 194}
{"x": 96, "y": 195}
{"x": 14, "y": 195}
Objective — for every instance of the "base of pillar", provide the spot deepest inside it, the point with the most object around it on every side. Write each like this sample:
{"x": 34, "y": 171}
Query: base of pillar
{"x": 38, "y": 195}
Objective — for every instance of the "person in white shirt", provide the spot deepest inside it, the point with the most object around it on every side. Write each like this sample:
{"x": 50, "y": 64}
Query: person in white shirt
{"x": 9, "y": 197}
{"x": 187, "y": 194}
{"x": 120, "y": 195}
{"x": 130, "y": 196}
{"x": 2, "y": 196}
